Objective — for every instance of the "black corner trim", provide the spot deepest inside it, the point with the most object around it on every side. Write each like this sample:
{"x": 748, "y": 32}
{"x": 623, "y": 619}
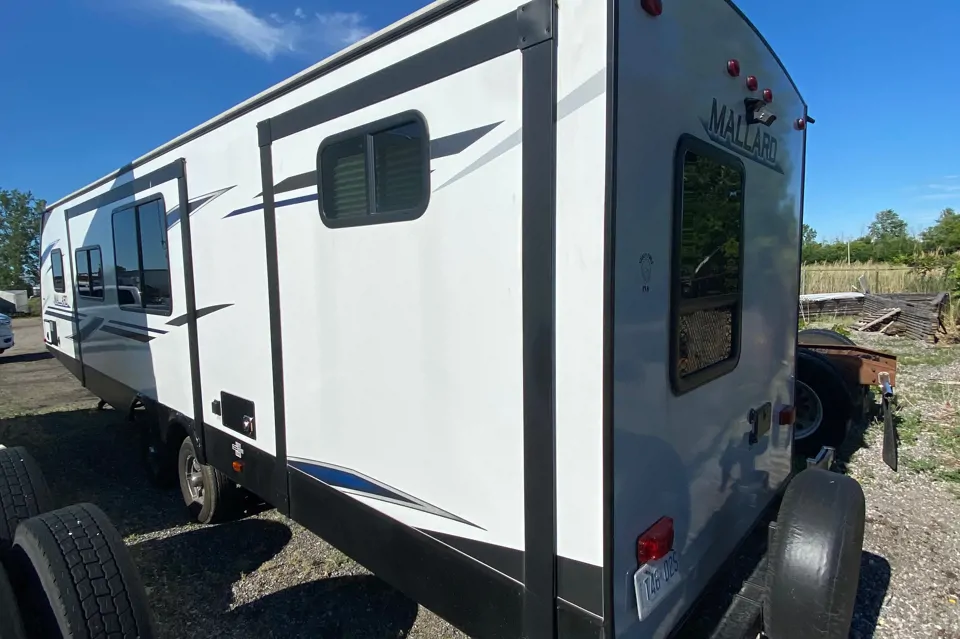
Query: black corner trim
{"x": 171, "y": 171}
{"x": 508, "y": 561}
{"x": 538, "y": 245}
{"x": 430, "y": 572}
{"x": 609, "y": 253}
{"x": 536, "y": 22}
{"x": 581, "y": 584}
{"x": 281, "y": 485}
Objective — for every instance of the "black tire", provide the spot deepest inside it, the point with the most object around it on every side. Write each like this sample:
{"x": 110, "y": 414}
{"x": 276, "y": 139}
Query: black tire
{"x": 11, "y": 625}
{"x": 23, "y": 492}
{"x": 219, "y": 496}
{"x": 814, "y": 558}
{"x": 75, "y": 578}
{"x": 822, "y": 377}
{"x": 824, "y": 337}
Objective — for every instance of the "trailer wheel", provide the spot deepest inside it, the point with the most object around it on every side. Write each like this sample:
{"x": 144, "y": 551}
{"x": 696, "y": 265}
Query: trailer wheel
{"x": 76, "y": 578}
{"x": 23, "y": 491}
{"x": 824, "y": 337}
{"x": 158, "y": 457}
{"x": 208, "y": 494}
{"x": 814, "y": 557}
{"x": 11, "y": 624}
{"x": 823, "y": 405}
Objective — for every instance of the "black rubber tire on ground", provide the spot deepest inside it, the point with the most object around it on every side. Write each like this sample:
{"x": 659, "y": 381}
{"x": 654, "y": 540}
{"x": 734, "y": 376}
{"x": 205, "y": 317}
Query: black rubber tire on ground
{"x": 825, "y": 380}
{"x": 814, "y": 558}
{"x": 23, "y": 491}
{"x": 75, "y": 578}
{"x": 11, "y": 625}
{"x": 824, "y": 336}
{"x": 221, "y": 496}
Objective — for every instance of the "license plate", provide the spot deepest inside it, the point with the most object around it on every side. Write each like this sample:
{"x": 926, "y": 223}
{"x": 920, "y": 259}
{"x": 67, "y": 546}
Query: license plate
{"x": 654, "y": 581}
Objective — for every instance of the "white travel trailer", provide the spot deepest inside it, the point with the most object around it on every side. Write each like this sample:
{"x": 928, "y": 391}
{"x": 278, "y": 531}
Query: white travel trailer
{"x": 501, "y": 301}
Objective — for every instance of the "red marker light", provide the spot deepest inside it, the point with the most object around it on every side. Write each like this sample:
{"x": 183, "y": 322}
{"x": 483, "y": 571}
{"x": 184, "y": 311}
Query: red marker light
{"x": 767, "y": 95}
{"x": 752, "y": 83}
{"x": 656, "y": 541}
{"x": 788, "y": 414}
{"x": 653, "y": 7}
{"x": 733, "y": 68}
{"x": 799, "y": 124}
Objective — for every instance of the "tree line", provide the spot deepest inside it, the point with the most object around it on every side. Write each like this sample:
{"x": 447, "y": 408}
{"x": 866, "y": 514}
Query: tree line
{"x": 21, "y": 215}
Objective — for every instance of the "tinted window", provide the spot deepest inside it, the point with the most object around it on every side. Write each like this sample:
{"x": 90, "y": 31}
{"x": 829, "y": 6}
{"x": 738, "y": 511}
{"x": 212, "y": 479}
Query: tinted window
{"x": 89, "y": 273}
{"x": 143, "y": 264}
{"x": 56, "y": 266}
{"x": 708, "y": 247}
{"x": 126, "y": 251}
{"x": 380, "y": 173}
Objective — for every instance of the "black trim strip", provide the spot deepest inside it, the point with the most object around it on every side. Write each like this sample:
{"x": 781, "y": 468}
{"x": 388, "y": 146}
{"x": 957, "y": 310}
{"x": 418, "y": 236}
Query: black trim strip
{"x": 171, "y": 171}
{"x": 537, "y": 22}
{"x": 72, "y": 364}
{"x": 476, "y": 46}
{"x": 189, "y": 289}
{"x": 432, "y": 573}
{"x": 142, "y": 328}
{"x": 609, "y": 233}
{"x": 139, "y": 337}
{"x": 281, "y": 479}
{"x": 508, "y": 561}
{"x": 63, "y": 316}
{"x": 180, "y": 320}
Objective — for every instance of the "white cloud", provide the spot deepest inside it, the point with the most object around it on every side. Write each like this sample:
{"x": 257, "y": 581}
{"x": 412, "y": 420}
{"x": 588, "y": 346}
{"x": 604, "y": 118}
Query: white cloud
{"x": 272, "y": 35}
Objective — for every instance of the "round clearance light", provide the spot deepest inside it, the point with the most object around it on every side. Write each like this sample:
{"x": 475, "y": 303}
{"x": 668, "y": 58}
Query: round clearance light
{"x": 733, "y": 68}
{"x": 799, "y": 124}
{"x": 653, "y": 7}
{"x": 752, "y": 83}
{"x": 767, "y": 96}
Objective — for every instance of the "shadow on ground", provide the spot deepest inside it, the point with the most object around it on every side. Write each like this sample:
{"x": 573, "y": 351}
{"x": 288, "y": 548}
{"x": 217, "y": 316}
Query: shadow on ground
{"x": 192, "y": 572}
{"x": 24, "y": 358}
{"x": 874, "y": 581}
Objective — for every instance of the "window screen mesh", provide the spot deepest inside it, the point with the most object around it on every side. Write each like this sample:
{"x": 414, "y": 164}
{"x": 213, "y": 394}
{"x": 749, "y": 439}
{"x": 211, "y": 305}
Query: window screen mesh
{"x": 344, "y": 173}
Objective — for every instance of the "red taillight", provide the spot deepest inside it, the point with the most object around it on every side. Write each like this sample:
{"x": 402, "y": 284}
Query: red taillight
{"x": 799, "y": 124}
{"x": 653, "y": 7}
{"x": 733, "y": 68}
{"x": 656, "y": 541}
{"x": 767, "y": 95}
{"x": 788, "y": 415}
{"x": 752, "y": 83}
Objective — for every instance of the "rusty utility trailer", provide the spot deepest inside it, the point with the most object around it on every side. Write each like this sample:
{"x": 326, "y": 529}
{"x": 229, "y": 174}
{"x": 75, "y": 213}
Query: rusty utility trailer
{"x": 837, "y": 383}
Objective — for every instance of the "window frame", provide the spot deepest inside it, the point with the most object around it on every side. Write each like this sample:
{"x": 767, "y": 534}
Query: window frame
{"x": 113, "y": 234}
{"x": 63, "y": 273}
{"x": 367, "y": 131}
{"x": 678, "y": 305}
{"x": 76, "y": 261}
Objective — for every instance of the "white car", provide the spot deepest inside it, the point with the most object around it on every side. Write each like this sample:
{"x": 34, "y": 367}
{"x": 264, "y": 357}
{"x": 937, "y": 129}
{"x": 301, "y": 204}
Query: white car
{"x": 6, "y": 333}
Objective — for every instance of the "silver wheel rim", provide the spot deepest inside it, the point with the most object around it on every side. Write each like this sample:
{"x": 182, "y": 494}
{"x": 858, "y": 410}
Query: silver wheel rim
{"x": 809, "y": 411}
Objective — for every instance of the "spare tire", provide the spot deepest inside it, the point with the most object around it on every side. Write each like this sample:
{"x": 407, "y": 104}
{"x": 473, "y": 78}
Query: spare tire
{"x": 23, "y": 491}
{"x": 823, "y": 404}
{"x": 11, "y": 625}
{"x": 76, "y": 577}
{"x": 814, "y": 557}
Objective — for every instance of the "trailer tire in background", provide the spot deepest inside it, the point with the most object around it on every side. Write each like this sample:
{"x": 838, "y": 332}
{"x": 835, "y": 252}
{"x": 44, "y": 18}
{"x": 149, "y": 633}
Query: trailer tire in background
{"x": 820, "y": 388}
{"x": 823, "y": 336}
{"x": 23, "y": 491}
{"x": 11, "y": 625}
{"x": 218, "y": 497}
{"x": 814, "y": 557}
{"x": 76, "y": 578}
{"x": 159, "y": 458}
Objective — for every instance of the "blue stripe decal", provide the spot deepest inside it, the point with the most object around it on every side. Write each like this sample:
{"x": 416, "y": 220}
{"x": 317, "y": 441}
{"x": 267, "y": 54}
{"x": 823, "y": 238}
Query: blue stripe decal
{"x": 352, "y": 481}
{"x": 259, "y": 207}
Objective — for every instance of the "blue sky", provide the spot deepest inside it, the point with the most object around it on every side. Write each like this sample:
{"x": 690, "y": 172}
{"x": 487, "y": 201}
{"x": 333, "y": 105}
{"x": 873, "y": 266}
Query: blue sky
{"x": 92, "y": 84}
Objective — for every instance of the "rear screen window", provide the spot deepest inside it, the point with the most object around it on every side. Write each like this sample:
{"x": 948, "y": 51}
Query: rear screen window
{"x": 708, "y": 279}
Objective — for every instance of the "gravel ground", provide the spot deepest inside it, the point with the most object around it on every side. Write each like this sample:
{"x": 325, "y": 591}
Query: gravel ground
{"x": 262, "y": 576}
{"x": 265, "y": 576}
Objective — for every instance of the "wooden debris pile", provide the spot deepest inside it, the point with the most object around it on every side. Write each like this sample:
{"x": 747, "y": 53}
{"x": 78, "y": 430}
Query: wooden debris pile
{"x": 914, "y": 315}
